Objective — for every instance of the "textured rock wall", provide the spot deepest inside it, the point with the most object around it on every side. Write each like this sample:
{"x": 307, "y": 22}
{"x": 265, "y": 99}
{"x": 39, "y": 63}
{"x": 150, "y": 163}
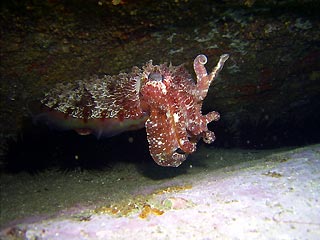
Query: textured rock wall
{"x": 267, "y": 94}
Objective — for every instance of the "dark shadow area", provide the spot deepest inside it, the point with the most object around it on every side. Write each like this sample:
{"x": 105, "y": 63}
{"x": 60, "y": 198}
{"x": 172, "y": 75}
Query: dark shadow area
{"x": 38, "y": 148}
{"x": 153, "y": 171}
{"x": 298, "y": 126}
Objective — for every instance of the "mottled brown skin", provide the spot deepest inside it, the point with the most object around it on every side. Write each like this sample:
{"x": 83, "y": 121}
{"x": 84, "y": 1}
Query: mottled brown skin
{"x": 164, "y": 99}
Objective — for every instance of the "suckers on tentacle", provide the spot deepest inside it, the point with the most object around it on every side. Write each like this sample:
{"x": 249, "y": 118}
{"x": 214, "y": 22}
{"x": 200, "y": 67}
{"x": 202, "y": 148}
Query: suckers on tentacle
{"x": 164, "y": 99}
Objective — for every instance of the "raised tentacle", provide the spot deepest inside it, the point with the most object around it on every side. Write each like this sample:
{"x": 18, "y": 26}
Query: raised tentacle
{"x": 203, "y": 79}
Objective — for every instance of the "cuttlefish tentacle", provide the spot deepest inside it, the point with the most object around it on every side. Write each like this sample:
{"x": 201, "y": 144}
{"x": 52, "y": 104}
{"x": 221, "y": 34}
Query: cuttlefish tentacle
{"x": 204, "y": 79}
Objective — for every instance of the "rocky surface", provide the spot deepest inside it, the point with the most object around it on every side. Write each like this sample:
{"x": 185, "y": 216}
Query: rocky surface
{"x": 267, "y": 95}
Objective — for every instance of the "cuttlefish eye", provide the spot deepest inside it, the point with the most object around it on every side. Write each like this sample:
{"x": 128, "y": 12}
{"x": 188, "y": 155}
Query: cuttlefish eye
{"x": 155, "y": 76}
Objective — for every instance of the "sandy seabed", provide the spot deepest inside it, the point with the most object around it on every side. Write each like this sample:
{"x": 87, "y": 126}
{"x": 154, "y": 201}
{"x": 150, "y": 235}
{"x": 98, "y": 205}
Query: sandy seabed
{"x": 221, "y": 194}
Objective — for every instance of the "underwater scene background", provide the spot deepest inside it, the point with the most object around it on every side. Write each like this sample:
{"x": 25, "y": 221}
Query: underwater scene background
{"x": 262, "y": 167}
